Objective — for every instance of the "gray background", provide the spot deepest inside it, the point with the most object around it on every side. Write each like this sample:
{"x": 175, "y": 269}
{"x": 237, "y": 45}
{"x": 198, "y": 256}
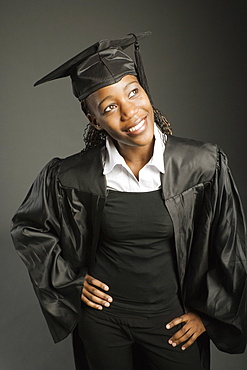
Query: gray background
{"x": 196, "y": 65}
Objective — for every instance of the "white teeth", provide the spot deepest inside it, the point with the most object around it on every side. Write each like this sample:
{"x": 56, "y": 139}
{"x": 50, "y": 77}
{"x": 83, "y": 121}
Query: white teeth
{"x": 136, "y": 127}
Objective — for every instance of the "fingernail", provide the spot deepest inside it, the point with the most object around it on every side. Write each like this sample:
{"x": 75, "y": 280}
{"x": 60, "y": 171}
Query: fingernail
{"x": 168, "y": 326}
{"x": 107, "y": 304}
{"x": 100, "y": 307}
{"x": 174, "y": 344}
{"x": 109, "y": 299}
{"x": 106, "y": 287}
{"x": 170, "y": 341}
{"x": 183, "y": 348}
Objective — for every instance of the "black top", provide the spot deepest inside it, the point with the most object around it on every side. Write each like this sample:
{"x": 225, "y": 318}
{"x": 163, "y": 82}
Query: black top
{"x": 135, "y": 257}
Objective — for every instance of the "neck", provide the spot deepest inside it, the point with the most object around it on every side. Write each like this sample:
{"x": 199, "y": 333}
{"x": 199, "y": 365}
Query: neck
{"x": 136, "y": 157}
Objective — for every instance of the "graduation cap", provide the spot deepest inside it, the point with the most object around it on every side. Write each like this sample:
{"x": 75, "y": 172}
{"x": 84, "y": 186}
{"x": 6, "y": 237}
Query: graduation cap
{"x": 102, "y": 64}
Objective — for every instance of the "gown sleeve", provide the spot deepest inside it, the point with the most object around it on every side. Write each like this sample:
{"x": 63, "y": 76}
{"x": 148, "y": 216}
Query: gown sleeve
{"x": 36, "y": 231}
{"x": 217, "y": 287}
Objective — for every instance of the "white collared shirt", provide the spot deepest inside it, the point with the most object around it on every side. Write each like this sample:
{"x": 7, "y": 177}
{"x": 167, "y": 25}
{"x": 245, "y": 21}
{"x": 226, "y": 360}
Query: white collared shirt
{"x": 120, "y": 177}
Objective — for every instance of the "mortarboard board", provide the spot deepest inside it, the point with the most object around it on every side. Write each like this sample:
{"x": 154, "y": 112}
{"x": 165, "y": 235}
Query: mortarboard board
{"x": 102, "y": 64}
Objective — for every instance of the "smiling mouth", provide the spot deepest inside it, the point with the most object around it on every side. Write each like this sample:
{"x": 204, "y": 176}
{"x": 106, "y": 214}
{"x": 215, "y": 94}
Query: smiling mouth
{"x": 137, "y": 127}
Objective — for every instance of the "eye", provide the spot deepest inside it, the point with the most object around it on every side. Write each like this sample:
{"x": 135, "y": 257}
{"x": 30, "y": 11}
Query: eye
{"x": 109, "y": 108}
{"x": 133, "y": 93}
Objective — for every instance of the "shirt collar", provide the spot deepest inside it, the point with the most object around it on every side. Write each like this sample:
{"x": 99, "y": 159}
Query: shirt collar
{"x": 114, "y": 158}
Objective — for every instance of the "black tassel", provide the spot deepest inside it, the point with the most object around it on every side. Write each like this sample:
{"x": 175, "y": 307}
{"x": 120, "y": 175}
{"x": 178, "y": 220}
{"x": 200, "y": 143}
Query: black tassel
{"x": 140, "y": 69}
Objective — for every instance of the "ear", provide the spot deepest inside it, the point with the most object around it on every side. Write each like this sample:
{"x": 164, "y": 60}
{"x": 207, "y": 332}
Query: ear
{"x": 94, "y": 122}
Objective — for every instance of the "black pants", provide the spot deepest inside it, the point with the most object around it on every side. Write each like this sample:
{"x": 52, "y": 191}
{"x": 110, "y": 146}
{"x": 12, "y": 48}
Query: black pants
{"x": 109, "y": 339}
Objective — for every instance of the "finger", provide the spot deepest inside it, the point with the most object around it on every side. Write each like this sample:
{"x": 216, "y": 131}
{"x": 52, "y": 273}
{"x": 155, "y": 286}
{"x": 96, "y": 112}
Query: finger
{"x": 182, "y": 337}
{"x": 180, "y": 333}
{"x": 97, "y": 296}
{"x": 192, "y": 339}
{"x": 176, "y": 321}
{"x": 90, "y": 303}
{"x": 92, "y": 281}
{"x": 91, "y": 290}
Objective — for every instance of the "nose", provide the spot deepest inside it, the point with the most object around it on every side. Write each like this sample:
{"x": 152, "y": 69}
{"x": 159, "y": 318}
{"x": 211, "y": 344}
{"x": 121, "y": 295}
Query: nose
{"x": 128, "y": 110}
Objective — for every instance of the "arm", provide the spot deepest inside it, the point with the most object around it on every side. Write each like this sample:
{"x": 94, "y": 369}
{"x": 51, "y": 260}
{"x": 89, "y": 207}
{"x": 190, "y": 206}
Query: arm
{"x": 215, "y": 286}
{"x": 36, "y": 233}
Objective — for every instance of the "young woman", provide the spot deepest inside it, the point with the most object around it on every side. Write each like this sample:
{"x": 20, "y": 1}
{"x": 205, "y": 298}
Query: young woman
{"x": 137, "y": 242}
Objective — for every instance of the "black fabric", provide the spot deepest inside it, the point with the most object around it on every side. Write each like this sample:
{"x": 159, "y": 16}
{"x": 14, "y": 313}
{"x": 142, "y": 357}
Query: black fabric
{"x": 136, "y": 248}
{"x": 79, "y": 351}
{"x": 80, "y": 359}
{"x": 53, "y": 232}
{"x": 102, "y": 64}
{"x": 108, "y": 340}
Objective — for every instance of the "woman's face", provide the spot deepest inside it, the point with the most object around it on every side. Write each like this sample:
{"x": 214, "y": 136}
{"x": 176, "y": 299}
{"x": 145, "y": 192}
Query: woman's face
{"x": 124, "y": 111}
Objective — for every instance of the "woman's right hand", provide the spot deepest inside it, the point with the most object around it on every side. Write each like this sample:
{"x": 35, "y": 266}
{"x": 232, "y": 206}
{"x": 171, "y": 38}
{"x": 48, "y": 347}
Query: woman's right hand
{"x": 94, "y": 297}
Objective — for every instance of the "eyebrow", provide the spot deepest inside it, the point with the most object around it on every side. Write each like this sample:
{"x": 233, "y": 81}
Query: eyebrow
{"x": 111, "y": 96}
{"x": 102, "y": 101}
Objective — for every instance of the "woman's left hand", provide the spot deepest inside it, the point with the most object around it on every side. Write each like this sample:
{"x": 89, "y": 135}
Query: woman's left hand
{"x": 190, "y": 331}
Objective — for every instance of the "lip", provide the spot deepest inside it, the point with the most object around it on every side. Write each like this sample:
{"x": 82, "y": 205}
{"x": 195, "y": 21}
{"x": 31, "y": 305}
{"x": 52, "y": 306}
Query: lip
{"x": 138, "y": 127}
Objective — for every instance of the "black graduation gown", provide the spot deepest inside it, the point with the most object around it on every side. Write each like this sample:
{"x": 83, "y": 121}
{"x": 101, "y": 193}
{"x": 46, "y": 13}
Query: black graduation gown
{"x": 56, "y": 230}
